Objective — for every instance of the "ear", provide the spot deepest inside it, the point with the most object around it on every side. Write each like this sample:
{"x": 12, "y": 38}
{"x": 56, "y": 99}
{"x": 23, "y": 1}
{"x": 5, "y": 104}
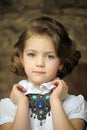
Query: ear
{"x": 60, "y": 66}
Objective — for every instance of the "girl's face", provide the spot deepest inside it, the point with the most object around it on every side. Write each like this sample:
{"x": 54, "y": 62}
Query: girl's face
{"x": 39, "y": 59}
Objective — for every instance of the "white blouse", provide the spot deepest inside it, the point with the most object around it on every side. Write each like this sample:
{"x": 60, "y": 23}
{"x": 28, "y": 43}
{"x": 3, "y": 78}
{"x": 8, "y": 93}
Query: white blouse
{"x": 74, "y": 107}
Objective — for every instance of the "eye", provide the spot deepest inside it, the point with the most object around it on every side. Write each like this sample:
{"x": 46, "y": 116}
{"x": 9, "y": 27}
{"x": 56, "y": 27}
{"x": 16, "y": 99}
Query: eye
{"x": 31, "y": 54}
{"x": 50, "y": 57}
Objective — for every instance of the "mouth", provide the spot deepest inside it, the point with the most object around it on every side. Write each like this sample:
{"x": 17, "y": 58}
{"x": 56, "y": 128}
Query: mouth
{"x": 38, "y": 72}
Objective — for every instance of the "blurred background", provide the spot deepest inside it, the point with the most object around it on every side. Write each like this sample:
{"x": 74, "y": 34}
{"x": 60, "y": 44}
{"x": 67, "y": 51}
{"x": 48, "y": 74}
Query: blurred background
{"x": 14, "y": 15}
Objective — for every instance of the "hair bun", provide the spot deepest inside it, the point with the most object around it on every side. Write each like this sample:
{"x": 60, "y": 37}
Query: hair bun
{"x": 70, "y": 64}
{"x": 75, "y": 57}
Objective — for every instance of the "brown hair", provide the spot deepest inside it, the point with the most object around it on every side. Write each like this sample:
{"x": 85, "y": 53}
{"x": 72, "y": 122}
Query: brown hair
{"x": 65, "y": 48}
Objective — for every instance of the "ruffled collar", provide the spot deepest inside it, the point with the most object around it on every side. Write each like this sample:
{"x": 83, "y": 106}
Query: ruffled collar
{"x": 44, "y": 88}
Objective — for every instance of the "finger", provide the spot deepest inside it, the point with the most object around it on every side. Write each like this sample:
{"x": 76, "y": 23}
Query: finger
{"x": 56, "y": 82}
{"x": 65, "y": 86}
{"x": 21, "y": 88}
{"x": 53, "y": 89}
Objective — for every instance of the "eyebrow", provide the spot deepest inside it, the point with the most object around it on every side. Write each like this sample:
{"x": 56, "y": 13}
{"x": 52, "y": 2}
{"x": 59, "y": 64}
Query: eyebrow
{"x": 30, "y": 50}
{"x": 48, "y": 51}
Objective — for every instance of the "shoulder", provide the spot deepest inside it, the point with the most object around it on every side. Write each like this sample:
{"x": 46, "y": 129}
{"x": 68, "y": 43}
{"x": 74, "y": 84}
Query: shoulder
{"x": 7, "y": 104}
{"x": 73, "y": 100}
{"x": 7, "y": 110}
{"x": 5, "y": 101}
{"x": 75, "y": 106}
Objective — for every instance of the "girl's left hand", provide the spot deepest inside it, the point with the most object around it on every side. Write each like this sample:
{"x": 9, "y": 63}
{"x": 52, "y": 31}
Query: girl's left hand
{"x": 60, "y": 90}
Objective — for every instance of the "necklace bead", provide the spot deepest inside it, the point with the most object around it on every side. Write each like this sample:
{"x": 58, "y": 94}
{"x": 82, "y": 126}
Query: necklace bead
{"x": 40, "y": 104}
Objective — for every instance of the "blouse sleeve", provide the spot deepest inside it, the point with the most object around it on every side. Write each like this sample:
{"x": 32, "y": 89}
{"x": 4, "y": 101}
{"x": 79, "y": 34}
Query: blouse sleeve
{"x": 77, "y": 107}
{"x": 7, "y": 111}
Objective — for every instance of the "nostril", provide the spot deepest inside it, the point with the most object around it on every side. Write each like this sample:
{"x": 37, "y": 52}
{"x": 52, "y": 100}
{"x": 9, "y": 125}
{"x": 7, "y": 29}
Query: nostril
{"x": 40, "y": 65}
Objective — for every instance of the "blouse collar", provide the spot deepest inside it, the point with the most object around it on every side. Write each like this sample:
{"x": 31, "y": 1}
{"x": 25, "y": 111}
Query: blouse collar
{"x": 44, "y": 88}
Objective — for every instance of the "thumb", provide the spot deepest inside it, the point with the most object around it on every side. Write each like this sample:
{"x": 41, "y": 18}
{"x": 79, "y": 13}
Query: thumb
{"x": 22, "y": 89}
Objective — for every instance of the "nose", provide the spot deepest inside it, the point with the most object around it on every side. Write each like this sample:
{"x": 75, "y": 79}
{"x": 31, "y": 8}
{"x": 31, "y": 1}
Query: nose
{"x": 40, "y": 62}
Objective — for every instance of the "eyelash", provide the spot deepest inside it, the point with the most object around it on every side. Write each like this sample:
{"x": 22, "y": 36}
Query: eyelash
{"x": 31, "y": 54}
{"x": 48, "y": 56}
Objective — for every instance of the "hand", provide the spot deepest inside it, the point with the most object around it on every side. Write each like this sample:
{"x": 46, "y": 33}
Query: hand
{"x": 60, "y": 90}
{"x": 17, "y": 94}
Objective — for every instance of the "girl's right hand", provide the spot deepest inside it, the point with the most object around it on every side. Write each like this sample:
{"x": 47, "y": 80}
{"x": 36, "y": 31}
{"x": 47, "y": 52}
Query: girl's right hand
{"x": 17, "y": 94}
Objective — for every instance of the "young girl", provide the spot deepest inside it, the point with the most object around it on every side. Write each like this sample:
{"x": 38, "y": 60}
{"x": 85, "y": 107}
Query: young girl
{"x": 44, "y": 54}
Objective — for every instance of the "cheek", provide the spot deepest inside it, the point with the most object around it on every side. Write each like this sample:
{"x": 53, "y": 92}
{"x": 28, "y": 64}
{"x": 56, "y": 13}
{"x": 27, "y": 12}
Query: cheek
{"x": 26, "y": 66}
{"x": 53, "y": 68}
{"x": 54, "y": 71}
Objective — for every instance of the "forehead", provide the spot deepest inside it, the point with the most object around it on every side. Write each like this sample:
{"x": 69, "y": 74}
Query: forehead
{"x": 39, "y": 42}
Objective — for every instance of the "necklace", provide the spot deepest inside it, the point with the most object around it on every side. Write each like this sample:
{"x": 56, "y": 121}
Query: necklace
{"x": 39, "y": 105}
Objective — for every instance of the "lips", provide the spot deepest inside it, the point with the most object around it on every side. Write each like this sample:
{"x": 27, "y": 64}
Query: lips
{"x": 39, "y": 72}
